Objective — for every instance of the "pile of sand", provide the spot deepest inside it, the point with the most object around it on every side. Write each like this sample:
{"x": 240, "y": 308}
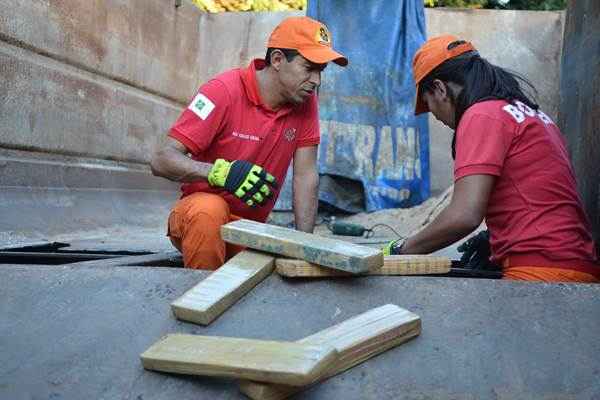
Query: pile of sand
{"x": 403, "y": 220}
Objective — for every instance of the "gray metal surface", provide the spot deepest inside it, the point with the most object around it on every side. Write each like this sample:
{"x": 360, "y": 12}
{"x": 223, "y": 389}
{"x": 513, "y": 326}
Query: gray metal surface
{"x": 42, "y": 197}
{"x": 69, "y": 333}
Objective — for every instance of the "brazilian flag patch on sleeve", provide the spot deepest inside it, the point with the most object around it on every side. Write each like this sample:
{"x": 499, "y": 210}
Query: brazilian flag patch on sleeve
{"x": 201, "y": 106}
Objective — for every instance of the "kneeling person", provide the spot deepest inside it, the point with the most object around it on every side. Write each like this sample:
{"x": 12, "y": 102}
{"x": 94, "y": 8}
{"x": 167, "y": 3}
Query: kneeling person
{"x": 242, "y": 130}
{"x": 511, "y": 168}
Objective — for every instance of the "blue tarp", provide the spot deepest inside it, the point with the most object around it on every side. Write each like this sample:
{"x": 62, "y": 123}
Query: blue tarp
{"x": 368, "y": 128}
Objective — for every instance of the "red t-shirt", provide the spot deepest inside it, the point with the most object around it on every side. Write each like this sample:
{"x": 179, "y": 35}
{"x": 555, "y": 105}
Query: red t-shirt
{"x": 227, "y": 119}
{"x": 534, "y": 212}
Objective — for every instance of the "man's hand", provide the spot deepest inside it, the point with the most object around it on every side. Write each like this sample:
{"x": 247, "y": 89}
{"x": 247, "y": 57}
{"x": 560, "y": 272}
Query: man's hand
{"x": 247, "y": 181}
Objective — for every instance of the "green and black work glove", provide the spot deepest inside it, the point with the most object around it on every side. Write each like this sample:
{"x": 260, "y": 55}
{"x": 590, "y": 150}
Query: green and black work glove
{"x": 476, "y": 252}
{"x": 394, "y": 247}
{"x": 247, "y": 181}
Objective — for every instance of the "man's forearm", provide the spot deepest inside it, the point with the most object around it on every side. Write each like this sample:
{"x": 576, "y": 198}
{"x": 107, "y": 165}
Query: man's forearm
{"x": 462, "y": 216}
{"x": 178, "y": 167}
{"x": 449, "y": 227}
{"x": 305, "y": 201}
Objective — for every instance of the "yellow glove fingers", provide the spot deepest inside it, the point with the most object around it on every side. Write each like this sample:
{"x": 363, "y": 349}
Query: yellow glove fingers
{"x": 271, "y": 179}
{"x": 247, "y": 181}
{"x": 264, "y": 189}
{"x": 258, "y": 197}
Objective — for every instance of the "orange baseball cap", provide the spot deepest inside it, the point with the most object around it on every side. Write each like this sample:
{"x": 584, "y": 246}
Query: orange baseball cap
{"x": 311, "y": 38}
{"x": 432, "y": 54}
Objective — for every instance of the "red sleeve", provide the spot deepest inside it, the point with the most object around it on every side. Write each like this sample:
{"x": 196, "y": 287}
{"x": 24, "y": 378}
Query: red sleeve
{"x": 203, "y": 119}
{"x": 311, "y": 133}
{"x": 482, "y": 143}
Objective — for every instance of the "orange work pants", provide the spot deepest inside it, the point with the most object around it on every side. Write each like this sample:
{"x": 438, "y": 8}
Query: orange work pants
{"x": 194, "y": 229}
{"x": 545, "y": 274}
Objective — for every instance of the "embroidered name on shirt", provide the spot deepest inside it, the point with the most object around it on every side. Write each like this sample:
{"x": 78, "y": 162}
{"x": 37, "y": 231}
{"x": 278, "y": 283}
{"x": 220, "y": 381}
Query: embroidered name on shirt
{"x": 245, "y": 136}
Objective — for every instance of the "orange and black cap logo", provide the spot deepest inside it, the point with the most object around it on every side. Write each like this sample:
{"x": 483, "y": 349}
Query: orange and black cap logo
{"x": 323, "y": 36}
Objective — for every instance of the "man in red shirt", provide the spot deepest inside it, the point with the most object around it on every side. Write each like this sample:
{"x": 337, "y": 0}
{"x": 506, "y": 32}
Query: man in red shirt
{"x": 511, "y": 167}
{"x": 241, "y": 132}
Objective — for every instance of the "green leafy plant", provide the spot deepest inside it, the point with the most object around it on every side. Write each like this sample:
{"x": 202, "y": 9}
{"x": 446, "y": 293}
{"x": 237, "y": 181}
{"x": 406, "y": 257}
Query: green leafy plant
{"x": 546, "y": 5}
{"x": 456, "y": 3}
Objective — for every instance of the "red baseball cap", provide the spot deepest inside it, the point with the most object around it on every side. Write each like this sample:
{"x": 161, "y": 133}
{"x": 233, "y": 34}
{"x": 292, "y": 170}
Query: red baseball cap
{"x": 433, "y": 53}
{"x": 311, "y": 38}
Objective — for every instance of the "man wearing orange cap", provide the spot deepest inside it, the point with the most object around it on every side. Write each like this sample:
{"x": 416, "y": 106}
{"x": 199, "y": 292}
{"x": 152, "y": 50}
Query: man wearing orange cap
{"x": 241, "y": 132}
{"x": 511, "y": 168}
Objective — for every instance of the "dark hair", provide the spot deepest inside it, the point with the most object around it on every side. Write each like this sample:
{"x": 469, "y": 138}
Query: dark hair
{"x": 288, "y": 53}
{"x": 480, "y": 80}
